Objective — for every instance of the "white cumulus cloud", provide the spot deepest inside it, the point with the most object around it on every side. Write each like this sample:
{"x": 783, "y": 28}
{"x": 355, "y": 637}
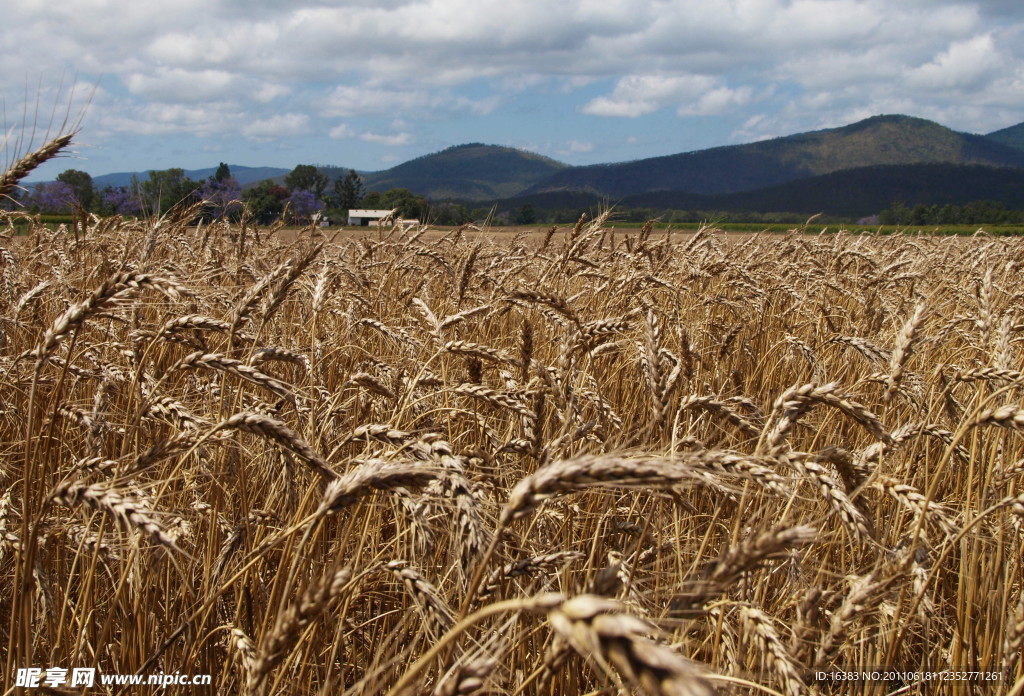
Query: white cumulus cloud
{"x": 277, "y": 126}
{"x": 393, "y": 140}
{"x": 637, "y": 95}
{"x": 513, "y": 70}
{"x": 177, "y": 84}
{"x": 964, "y": 64}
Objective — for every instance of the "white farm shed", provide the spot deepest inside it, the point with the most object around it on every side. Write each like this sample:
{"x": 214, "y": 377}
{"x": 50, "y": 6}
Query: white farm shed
{"x": 366, "y": 217}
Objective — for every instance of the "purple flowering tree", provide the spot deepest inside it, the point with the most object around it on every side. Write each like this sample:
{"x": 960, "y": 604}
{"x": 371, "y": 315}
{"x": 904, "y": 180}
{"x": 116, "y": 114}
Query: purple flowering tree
{"x": 54, "y": 197}
{"x": 122, "y": 201}
{"x": 303, "y": 204}
{"x": 223, "y": 198}
{"x": 11, "y": 201}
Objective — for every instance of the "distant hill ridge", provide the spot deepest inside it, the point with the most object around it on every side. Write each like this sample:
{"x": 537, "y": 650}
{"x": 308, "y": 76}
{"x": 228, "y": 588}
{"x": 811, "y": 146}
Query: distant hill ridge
{"x": 244, "y": 175}
{"x": 1012, "y": 136}
{"x": 472, "y": 172}
{"x": 789, "y": 168}
{"x": 880, "y": 140}
{"x": 850, "y": 193}
{"x": 860, "y": 191}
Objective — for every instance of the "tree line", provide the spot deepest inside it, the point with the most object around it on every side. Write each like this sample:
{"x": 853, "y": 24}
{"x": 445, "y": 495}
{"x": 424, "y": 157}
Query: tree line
{"x": 305, "y": 191}
{"x": 973, "y": 213}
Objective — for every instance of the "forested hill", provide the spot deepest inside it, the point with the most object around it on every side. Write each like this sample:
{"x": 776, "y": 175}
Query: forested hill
{"x": 860, "y": 191}
{"x": 1012, "y": 136}
{"x": 881, "y": 140}
{"x": 470, "y": 172}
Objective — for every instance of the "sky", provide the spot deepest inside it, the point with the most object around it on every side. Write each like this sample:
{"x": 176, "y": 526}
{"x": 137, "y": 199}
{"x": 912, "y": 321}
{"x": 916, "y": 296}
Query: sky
{"x": 368, "y": 84}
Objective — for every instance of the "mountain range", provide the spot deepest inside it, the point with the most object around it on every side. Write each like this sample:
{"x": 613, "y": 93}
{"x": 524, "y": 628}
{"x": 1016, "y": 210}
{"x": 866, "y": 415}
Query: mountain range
{"x": 244, "y": 175}
{"x": 852, "y": 170}
{"x": 1012, "y": 136}
{"x": 881, "y": 140}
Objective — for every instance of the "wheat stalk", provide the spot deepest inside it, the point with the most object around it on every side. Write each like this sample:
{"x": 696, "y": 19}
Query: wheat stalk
{"x": 127, "y": 509}
{"x": 24, "y": 165}
{"x": 601, "y": 630}
{"x": 275, "y": 647}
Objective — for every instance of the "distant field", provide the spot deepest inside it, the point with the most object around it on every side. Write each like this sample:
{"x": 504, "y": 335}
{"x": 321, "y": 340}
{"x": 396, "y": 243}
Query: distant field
{"x": 816, "y": 228}
{"x": 535, "y": 233}
{"x": 20, "y": 223}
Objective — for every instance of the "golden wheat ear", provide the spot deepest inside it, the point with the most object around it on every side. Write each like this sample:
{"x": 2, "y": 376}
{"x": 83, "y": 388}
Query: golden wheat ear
{"x": 20, "y": 169}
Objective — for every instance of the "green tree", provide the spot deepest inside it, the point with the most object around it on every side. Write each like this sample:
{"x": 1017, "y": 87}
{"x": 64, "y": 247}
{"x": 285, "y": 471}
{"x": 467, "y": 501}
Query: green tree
{"x": 449, "y": 213}
{"x": 526, "y": 215}
{"x": 408, "y": 204}
{"x": 949, "y": 215}
{"x": 348, "y": 190}
{"x": 223, "y": 172}
{"x": 265, "y": 201}
{"x": 897, "y": 214}
{"x": 306, "y": 177}
{"x": 165, "y": 189}
{"x": 81, "y": 183}
{"x": 371, "y": 201}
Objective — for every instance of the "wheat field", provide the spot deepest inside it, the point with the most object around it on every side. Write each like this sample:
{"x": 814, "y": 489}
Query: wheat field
{"x": 594, "y": 463}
